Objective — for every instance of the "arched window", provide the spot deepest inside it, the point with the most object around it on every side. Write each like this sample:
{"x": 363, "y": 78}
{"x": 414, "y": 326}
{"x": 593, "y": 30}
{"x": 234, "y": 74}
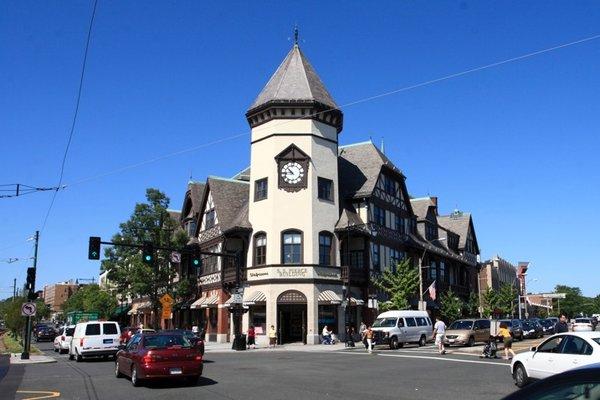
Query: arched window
{"x": 291, "y": 247}
{"x": 325, "y": 248}
{"x": 260, "y": 248}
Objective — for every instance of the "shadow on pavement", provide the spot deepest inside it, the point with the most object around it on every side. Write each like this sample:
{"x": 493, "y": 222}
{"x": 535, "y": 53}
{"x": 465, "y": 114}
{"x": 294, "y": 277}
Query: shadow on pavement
{"x": 177, "y": 383}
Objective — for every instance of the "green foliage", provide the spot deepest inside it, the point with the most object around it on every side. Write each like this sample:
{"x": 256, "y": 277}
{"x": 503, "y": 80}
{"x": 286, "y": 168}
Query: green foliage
{"x": 471, "y": 307}
{"x": 575, "y": 303}
{"x": 507, "y": 300}
{"x": 91, "y": 298}
{"x": 489, "y": 301}
{"x": 150, "y": 221}
{"x": 400, "y": 285}
{"x": 10, "y": 311}
{"x": 450, "y": 306}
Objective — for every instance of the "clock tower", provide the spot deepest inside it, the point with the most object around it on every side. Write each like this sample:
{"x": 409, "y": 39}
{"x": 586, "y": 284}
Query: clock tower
{"x": 294, "y": 204}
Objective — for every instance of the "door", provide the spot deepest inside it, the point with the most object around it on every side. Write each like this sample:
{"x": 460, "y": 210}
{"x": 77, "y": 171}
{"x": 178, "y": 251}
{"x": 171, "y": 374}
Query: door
{"x": 576, "y": 352}
{"x": 402, "y": 332}
{"x": 544, "y": 361}
{"x": 412, "y": 331}
{"x": 291, "y": 323}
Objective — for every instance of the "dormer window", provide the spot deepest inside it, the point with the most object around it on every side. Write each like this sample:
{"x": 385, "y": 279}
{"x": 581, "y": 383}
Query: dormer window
{"x": 209, "y": 219}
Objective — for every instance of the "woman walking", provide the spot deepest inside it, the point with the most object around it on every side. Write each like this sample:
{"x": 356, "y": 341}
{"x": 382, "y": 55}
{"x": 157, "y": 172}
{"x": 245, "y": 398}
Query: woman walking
{"x": 507, "y": 339}
{"x": 272, "y": 337}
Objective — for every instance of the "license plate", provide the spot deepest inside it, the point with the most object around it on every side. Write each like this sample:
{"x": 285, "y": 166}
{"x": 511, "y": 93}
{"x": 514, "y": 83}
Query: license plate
{"x": 451, "y": 340}
{"x": 107, "y": 341}
{"x": 175, "y": 371}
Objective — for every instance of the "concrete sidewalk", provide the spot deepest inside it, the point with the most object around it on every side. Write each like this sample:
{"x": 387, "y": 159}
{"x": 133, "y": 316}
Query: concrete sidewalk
{"x": 309, "y": 348}
{"x": 15, "y": 358}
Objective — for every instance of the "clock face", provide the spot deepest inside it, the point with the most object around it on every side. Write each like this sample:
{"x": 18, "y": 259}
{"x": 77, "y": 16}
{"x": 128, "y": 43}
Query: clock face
{"x": 292, "y": 172}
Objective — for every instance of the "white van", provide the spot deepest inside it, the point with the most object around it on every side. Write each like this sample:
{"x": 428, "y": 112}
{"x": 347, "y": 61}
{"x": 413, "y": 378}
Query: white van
{"x": 95, "y": 338}
{"x": 395, "y": 328}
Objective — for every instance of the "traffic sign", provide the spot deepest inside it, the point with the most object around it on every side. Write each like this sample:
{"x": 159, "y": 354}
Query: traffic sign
{"x": 237, "y": 298}
{"x": 166, "y": 299}
{"x": 166, "y": 311}
{"x": 175, "y": 257}
{"x": 28, "y": 309}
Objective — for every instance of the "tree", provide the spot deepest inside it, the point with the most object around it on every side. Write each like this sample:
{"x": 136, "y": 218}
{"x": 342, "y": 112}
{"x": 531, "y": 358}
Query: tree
{"x": 489, "y": 301}
{"x": 571, "y": 305}
{"x": 450, "y": 306}
{"x": 91, "y": 298}
{"x": 150, "y": 221}
{"x": 472, "y": 305}
{"x": 506, "y": 300}
{"x": 399, "y": 284}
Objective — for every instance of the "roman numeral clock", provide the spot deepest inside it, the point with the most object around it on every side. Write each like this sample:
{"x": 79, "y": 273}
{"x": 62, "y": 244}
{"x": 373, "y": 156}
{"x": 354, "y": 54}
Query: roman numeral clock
{"x": 292, "y": 169}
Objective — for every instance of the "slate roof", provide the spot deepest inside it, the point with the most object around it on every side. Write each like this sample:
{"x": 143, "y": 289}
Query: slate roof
{"x": 420, "y": 206}
{"x": 359, "y": 166}
{"x": 243, "y": 175}
{"x": 175, "y": 215}
{"x": 194, "y": 195}
{"x": 295, "y": 80}
{"x": 349, "y": 218}
{"x": 458, "y": 223}
{"x": 230, "y": 198}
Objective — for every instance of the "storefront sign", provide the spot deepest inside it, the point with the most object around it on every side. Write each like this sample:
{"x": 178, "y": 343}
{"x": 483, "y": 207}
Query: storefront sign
{"x": 294, "y": 273}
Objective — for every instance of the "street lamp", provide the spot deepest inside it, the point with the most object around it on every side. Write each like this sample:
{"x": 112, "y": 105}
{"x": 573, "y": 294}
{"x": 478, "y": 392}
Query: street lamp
{"x": 421, "y": 308}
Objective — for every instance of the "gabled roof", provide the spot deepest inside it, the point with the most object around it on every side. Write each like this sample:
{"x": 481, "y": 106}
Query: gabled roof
{"x": 459, "y": 223}
{"x": 192, "y": 200}
{"x": 359, "y": 166}
{"x": 348, "y": 218}
{"x": 294, "y": 80}
{"x": 421, "y": 206}
{"x": 230, "y": 198}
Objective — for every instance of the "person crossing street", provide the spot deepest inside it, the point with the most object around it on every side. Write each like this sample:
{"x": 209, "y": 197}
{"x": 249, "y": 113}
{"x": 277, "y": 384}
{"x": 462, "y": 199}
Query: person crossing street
{"x": 439, "y": 334}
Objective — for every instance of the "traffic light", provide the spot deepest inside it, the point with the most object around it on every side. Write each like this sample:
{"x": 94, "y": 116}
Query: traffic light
{"x": 94, "y": 248}
{"x": 148, "y": 253}
{"x": 196, "y": 260}
{"x": 32, "y": 296}
{"x": 30, "y": 284}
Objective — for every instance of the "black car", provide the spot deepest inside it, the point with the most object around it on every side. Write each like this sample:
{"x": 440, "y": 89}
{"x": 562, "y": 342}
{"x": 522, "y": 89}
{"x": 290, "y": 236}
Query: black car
{"x": 580, "y": 383}
{"x": 532, "y": 329}
{"x": 44, "y": 333}
{"x": 515, "y": 326}
{"x": 548, "y": 326}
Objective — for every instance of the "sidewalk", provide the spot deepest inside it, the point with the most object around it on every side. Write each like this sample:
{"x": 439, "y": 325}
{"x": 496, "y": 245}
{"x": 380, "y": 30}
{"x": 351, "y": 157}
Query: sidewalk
{"x": 15, "y": 358}
{"x": 211, "y": 347}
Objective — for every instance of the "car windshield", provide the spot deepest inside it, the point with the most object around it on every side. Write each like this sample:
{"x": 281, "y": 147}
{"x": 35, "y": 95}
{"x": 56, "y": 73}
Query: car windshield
{"x": 546, "y": 323}
{"x": 385, "y": 322}
{"x": 166, "y": 341}
{"x": 459, "y": 325}
{"x": 70, "y": 331}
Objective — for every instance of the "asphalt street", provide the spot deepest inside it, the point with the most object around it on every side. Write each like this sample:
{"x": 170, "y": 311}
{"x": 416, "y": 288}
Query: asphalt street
{"x": 409, "y": 373}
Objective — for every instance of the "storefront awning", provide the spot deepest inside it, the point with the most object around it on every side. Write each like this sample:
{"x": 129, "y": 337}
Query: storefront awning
{"x": 120, "y": 310}
{"x": 531, "y": 303}
{"x": 137, "y": 308}
{"x": 329, "y": 297}
{"x": 203, "y": 302}
{"x": 356, "y": 301}
{"x": 254, "y": 299}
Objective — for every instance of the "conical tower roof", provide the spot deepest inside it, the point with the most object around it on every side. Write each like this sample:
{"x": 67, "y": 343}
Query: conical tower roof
{"x": 294, "y": 80}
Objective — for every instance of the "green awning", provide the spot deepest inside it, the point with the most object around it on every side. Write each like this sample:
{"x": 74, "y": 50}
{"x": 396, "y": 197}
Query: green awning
{"x": 120, "y": 310}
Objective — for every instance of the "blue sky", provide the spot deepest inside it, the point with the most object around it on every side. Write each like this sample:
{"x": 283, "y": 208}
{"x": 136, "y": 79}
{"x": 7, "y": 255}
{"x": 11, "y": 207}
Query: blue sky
{"x": 516, "y": 145}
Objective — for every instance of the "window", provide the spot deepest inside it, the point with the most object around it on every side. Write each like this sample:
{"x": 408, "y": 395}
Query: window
{"x": 412, "y": 225}
{"x": 421, "y": 321}
{"x": 376, "y": 258}
{"x": 552, "y": 345}
{"x": 209, "y": 219}
{"x": 410, "y": 321}
{"x": 109, "y": 329}
{"x": 431, "y": 231}
{"x": 133, "y": 343}
{"x": 260, "y": 189}
{"x": 92, "y": 329}
{"x": 378, "y": 215}
{"x": 325, "y": 189}
{"x": 191, "y": 228}
{"x": 433, "y": 271}
{"x": 442, "y": 271}
{"x": 399, "y": 225}
{"x": 260, "y": 249}
{"x": 292, "y": 247}
{"x": 576, "y": 345}
{"x": 389, "y": 185}
{"x": 325, "y": 240}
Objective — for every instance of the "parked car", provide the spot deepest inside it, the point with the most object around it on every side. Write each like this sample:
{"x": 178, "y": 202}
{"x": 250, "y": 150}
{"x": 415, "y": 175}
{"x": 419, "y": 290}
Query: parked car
{"x": 467, "y": 332}
{"x": 579, "y": 383}
{"x": 582, "y": 325}
{"x": 127, "y": 333}
{"x": 94, "y": 338}
{"x": 159, "y": 356}
{"x": 194, "y": 338}
{"x": 556, "y": 354}
{"x": 515, "y": 326}
{"x": 44, "y": 333}
{"x": 394, "y": 328}
{"x": 62, "y": 341}
{"x": 532, "y": 329}
{"x": 548, "y": 326}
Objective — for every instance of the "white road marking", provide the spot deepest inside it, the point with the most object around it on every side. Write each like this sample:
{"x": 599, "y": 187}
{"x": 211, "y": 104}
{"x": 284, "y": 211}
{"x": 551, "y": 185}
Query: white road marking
{"x": 446, "y": 359}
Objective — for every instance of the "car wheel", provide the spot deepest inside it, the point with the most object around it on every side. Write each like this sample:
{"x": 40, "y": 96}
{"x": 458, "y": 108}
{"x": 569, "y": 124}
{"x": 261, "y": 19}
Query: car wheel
{"x": 78, "y": 357}
{"x": 135, "y": 381}
{"x": 71, "y": 357}
{"x": 394, "y": 343}
{"x": 520, "y": 375}
{"x": 118, "y": 373}
{"x": 193, "y": 380}
{"x": 422, "y": 341}
{"x": 471, "y": 341}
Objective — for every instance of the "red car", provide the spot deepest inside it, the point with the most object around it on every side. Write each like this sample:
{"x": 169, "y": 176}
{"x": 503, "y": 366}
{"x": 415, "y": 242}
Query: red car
{"x": 127, "y": 333}
{"x": 159, "y": 356}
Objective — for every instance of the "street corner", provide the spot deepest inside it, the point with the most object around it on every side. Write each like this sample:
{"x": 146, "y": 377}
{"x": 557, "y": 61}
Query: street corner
{"x": 15, "y": 358}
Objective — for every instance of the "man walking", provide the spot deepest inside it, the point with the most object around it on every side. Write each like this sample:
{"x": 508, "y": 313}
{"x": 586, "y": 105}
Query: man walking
{"x": 368, "y": 337}
{"x": 561, "y": 326}
{"x": 439, "y": 333}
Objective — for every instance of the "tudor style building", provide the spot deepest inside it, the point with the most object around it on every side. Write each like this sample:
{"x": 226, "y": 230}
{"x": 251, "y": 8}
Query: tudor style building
{"x": 313, "y": 222}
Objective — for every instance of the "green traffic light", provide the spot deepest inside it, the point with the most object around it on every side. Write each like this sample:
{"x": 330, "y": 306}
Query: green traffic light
{"x": 196, "y": 262}
{"x": 148, "y": 258}
{"x": 94, "y": 254}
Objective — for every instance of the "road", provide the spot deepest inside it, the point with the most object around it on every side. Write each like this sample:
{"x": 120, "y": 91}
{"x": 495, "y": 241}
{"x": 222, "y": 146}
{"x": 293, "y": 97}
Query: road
{"x": 408, "y": 373}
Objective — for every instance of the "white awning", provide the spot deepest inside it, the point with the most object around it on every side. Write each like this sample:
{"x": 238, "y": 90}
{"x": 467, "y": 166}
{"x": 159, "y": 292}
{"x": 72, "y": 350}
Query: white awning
{"x": 329, "y": 297}
{"x": 531, "y": 303}
{"x": 203, "y": 302}
{"x": 356, "y": 301}
{"x": 255, "y": 298}
{"x": 137, "y": 308}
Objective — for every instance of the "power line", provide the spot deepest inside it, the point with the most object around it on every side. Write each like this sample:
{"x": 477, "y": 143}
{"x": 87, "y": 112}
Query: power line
{"x": 75, "y": 114}
{"x": 20, "y": 189}
{"x": 352, "y": 103}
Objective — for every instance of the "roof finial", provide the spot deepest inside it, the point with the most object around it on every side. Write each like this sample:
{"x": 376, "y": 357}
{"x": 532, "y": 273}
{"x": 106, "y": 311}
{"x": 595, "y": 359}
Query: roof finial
{"x": 296, "y": 35}
{"x": 382, "y": 146}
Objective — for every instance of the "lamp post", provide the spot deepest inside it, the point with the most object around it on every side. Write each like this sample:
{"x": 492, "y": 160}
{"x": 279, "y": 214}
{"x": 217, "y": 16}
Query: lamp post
{"x": 421, "y": 308}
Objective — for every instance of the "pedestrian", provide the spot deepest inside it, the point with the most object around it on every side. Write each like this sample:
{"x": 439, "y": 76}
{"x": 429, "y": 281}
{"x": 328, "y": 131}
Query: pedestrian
{"x": 507, "y": 338}
{"x": 272, "y": 337}
{"x": 251, "y": 337}
{"x": 350, "y": 336}
{"x": 439, "y": 334}
{"x": 368, "y": 338}
{"x": 561, "y": 326}
{"x": 326, "y": 333}
{"x": 361, "y": 330}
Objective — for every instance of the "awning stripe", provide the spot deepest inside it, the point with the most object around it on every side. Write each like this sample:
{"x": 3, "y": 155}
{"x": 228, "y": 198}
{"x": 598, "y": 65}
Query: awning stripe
{"x": 329, "y": 297}
{"x": 204, "y": 302}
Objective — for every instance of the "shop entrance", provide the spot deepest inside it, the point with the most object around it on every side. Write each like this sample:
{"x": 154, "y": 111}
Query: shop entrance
{"x": 291, "y": 317}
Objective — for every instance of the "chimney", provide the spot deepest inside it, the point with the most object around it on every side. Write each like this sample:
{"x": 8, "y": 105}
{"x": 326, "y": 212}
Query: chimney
{"x": 434, "y": 200}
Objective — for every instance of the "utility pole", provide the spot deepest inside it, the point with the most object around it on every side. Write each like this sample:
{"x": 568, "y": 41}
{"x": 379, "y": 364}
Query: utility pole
{"x": 14, "y": 288}
{"x": 27, "y": 338}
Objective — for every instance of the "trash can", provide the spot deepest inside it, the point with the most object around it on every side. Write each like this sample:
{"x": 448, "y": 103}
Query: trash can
{"x": 239, "y": 342}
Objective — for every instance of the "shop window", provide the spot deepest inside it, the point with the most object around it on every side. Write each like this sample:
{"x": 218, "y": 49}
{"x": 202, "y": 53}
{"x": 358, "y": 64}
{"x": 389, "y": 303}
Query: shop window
{"x": 260, "y": 249}
{"x": 258, "y": 319}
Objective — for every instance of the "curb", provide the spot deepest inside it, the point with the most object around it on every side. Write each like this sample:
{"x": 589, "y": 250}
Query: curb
{"x": 15, "y": 358}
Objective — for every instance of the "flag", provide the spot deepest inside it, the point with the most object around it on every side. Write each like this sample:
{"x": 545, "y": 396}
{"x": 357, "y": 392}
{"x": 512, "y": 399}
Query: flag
{"x": 432, "y": 291}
